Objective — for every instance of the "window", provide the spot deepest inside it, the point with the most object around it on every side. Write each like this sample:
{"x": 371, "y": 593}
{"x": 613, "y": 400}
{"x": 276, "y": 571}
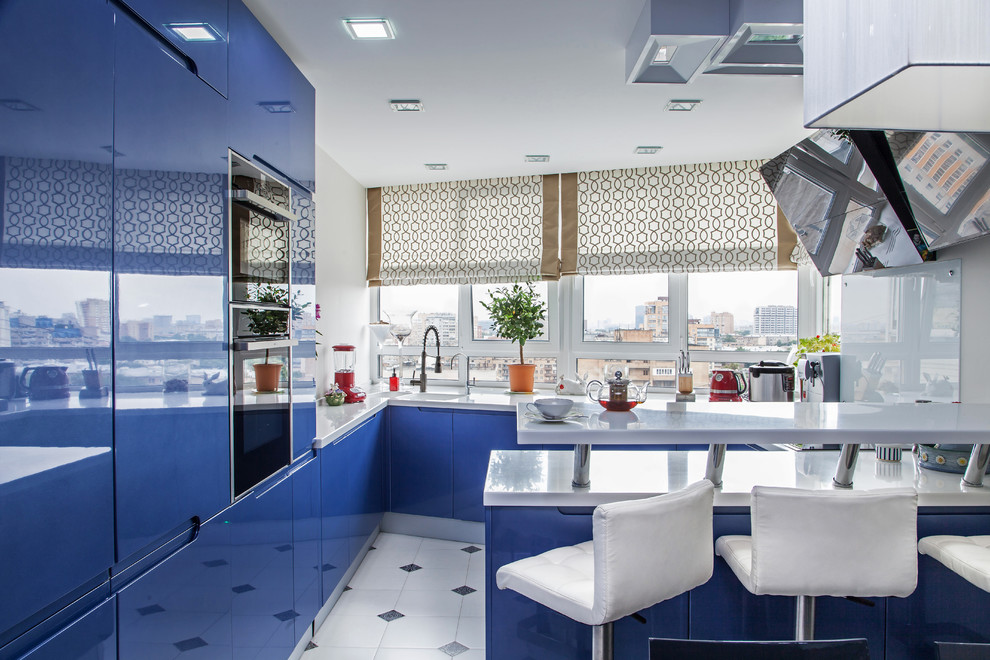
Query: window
{"x": 754, "y": 311}
{"x": 627, "y": 308}
{"x": 415, "y": 308}
{"x": 481, "y": 328}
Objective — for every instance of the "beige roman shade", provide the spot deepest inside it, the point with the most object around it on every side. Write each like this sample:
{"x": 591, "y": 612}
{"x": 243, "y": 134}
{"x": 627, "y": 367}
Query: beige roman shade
{"x": 708, "y": 217}
{"x": 464, "y": 232}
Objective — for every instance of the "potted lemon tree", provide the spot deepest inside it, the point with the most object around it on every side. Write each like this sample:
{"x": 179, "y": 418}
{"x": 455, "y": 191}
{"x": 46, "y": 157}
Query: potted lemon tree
{"x": 266, "y": 323}
{"x": 517, "y": 314}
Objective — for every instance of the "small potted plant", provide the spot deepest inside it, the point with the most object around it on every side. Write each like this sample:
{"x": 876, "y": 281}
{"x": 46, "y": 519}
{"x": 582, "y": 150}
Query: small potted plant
{"x": 267, "y": 323}
{"x": 517, "y": 314}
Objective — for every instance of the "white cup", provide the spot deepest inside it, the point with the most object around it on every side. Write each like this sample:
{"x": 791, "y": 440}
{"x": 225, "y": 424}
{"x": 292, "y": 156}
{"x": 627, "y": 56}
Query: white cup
{"x": 551, "y": 408}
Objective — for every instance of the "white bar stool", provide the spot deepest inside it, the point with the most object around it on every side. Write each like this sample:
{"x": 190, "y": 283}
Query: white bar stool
{"x": 642, "y": 552}
{"x": 966, "y": 556}
{"x": 826, "y": 543}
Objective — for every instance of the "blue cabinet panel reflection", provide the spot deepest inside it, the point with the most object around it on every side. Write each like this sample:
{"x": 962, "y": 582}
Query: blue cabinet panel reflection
{"x": 421, "y": 462}
{"x": 56, "y": 463}
{"x": 306, "y": 542}
{"x": 182, "y": 605}
{"x": 198, "y": 28}
{"x": 261, "y": 569}
{"x": 171, "y": 436}
{"x": 476, "y": 435}
{"x": 91, "y": 637}
{"x": 303, "y": 301}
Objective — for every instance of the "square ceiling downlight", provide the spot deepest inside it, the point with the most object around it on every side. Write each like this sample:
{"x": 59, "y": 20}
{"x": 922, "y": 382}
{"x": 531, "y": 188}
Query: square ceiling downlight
{"x": 369, "y": 28}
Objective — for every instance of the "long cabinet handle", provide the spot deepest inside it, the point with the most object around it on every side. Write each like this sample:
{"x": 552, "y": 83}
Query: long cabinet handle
{"x": 181, "y": 58}
{"x": 356, "y": 428}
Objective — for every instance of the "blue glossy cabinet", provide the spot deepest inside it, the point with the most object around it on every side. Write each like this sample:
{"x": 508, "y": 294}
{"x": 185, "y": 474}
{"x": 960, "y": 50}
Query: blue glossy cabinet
{"x": 56, "y": 461}
{"x": 475, "y": 436}
{"x": 302, "y": 131}
{"x": 303, "y": 299}
{"x": 421, "y": 460}
{"x": 169, "y": 187}
{"x": 306, "y": 541}
{"x": 262, "y": 571}
{"x": 181, "y": 606}
{"x": 204, "y": 21}
{"x": 90, "y": 637}
{"x": 335, "y": 505}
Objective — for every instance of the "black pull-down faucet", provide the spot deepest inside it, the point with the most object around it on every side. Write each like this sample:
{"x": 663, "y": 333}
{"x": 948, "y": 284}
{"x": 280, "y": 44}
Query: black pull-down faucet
{"x": 422, "y": 368}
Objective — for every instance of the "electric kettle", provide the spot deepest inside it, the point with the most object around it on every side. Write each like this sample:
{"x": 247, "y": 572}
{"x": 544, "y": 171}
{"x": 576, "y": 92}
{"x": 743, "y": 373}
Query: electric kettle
{"x": 726, "y": 385}
{"x": 622, "y": 395}
{"x": 45, "y": 383}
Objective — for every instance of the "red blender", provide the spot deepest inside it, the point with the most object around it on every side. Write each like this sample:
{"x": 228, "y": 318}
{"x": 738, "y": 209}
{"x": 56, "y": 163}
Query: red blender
{"x": 343, "y": 368}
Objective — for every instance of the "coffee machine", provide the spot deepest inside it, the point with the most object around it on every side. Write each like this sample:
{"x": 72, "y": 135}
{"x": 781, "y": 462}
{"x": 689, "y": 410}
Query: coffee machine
{"x": 819, "y": 376}
{"x": 344, "y": 358}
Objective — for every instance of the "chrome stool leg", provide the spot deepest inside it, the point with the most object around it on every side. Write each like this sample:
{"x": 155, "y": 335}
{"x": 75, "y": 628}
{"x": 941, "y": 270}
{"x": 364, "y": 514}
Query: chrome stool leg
{"x": 602, "y": 642}
{"x": 804, "y": 620}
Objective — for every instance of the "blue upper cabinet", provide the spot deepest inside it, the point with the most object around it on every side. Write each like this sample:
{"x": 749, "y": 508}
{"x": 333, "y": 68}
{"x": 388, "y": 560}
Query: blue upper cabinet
{"x": 196, "y": 27}
{"x": 56, "y": 463}
{"x": 172, "y": 442}
{"x": 260, "y": 90}
{"x": 302, "y": 131}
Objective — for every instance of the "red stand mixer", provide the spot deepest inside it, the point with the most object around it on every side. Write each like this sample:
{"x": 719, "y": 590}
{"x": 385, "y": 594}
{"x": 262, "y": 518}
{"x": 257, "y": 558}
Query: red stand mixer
{"x": 343, "y": 373}
{"x": 726, "y": 385}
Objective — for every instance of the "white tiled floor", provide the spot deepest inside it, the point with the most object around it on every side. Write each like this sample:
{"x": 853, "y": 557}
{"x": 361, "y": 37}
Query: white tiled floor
{"x": 437, "y": 623}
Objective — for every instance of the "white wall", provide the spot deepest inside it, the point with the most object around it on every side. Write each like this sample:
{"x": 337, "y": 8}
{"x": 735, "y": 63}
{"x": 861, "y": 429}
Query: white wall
{"x": 341, "y": 258}
{"x": 975, "y": 363}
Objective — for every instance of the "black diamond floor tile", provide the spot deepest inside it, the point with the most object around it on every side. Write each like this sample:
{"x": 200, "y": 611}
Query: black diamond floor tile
{"x": 391, "y": 615}
{"x": 454, "y": 648}
{"x": 471, "y": 549}
{"x": 190, "y": 644}
{"x": 286, "y": 615}
{"x": 213, "y": 563}
{"x": 409, "y": 568}
{"x": 242, "y": 588}
{"x": 150, "y": 609}
{"x": 284, "y": 548}
{"x": 464, "y": 591}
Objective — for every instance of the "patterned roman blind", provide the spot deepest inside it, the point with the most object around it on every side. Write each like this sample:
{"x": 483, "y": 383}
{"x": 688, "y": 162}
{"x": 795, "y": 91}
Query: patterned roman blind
{"x": 464, "y": 232}
{"x": 700, "y": 218}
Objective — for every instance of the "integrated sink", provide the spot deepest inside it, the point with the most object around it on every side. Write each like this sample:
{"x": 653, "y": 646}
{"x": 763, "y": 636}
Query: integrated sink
{"x": 433, "y": 396}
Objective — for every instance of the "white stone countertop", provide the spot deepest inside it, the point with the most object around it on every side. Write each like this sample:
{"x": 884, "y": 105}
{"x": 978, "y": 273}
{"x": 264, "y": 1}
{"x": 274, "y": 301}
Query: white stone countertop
{"x": 762, "y": 423}
{"x": 543, "y": 478}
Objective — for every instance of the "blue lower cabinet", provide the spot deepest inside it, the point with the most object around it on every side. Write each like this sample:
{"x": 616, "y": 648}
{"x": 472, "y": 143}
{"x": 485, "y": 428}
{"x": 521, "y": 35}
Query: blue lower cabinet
{"x": 306, "y": 542}
{"x": 475, "y": 436}
{"x": 421, "y": 461}
{"x": 334, "y": 501}
{"x": 518, "y": 627}
{"x": 365, "y": 453}
{"x": 182, "y": 606}
{"x": 261, "y": 571}
{"x": 90, "y": 637}
{"x": 944, "y": 607}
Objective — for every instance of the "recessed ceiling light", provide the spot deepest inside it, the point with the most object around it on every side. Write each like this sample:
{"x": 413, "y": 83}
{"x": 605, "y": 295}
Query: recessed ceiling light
{"x": 537, "y": 158}
{"x": 411, "y": 105}
{"x": 17, "y": 105}
{"x": 647, "y": 151}
{"x": 277, "y": 107}
{"x": 663, "y": 54}
{"x": 194, "y": 31}
{"x": 435, "y": 166}
{"x": 369, "y": 28}
{"x": 682, "y": 105}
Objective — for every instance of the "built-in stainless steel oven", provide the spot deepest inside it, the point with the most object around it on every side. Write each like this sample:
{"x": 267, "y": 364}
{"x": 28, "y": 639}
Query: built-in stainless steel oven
{"x": 260, "y": 328}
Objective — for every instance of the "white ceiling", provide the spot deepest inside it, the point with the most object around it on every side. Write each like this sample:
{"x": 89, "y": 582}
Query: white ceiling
{"x": 505, "y": 78}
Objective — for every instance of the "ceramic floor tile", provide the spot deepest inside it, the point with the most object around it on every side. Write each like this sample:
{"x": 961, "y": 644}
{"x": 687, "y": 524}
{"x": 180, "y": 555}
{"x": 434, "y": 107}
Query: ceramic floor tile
{"x": 435, "y": 578}
{"x": 420, "y": 632}
{"x": 473, "y": 654}
{"x": 441, "y": 544}
{"x": 411, "y": 654}
{"x": 429, "y": 603}
{"x": 473, "y": 604}
{"x": 374, "y": 577}
{"x": 363, "y": 602}
{"x": 471, "y": 631}
{"x": 396, "y": 542}
{"x": 351, "y": 631}
{"x": 442, "y": 558}
{"x": 338, "y": 653}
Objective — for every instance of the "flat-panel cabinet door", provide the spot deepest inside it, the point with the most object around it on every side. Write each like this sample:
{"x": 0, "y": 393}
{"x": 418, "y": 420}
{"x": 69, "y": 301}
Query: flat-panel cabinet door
{"x": 261, "y": 568}
{"x": 365, "y": 451}
{"x": 335, "y": 494}
{"x": 91, "y": 637}
{"x": 182, "y": 606}
{"x": 260, "y": 91}
{"x": 302, "y": 131}
{"x": 56, "y": 426}
{"x": 303, "y": 299}
{"x": 170, "y": 260}
{"x": 476, "y": 435}
{"x": 306, "y": 536}
{"x": 421, "y": 461}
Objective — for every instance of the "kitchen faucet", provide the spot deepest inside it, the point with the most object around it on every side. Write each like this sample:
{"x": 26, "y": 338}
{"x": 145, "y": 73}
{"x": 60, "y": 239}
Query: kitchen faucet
{"x": 467, "y": 373}
{"x": 422, "y": 368}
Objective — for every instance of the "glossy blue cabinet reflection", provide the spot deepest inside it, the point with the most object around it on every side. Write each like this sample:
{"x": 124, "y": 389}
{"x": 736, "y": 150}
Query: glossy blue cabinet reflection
{"x": 476, "y": 435}
{"x": 303, "y": 299}
{"x": 91, "y": 637}
{"x": 306, "y": 536}
{"x": 421, "y": 460}
{"x": 182, "y": 606}
{"x": 261, "y": 570}
{"x": 171, "y": 438}
{"x": 203, "y": 20}
{"x": 56, "y": 463}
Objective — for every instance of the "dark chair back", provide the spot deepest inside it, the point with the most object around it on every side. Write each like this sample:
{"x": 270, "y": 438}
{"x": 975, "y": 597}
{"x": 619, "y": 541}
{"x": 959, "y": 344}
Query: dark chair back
{"x": 954, "y": 651}
{"x": 698, "y": 649}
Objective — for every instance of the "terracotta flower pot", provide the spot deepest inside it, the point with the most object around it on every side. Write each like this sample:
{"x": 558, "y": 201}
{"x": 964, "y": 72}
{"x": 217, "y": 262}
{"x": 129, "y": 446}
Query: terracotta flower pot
{"x": 521, "y": 377}
{"x": 266, "y": 376}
